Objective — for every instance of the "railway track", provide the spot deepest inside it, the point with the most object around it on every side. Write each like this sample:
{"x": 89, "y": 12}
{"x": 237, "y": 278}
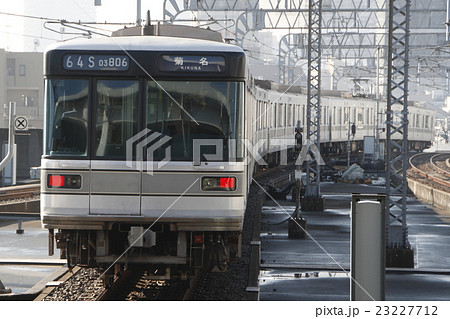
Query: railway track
{"x": 137, "y": 283}
{"x": 19, "y": 192}
{"x": 132, "y": 284}
{"x": 433, "y": 169}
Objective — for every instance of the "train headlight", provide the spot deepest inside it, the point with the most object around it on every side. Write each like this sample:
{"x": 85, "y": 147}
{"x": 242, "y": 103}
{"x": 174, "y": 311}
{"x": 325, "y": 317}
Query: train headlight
{"x": 219, "y": 183}
{"x": 64, "y": 181}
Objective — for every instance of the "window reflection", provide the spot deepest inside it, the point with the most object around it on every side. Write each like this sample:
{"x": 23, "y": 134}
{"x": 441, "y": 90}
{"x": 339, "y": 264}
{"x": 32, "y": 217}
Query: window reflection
{"x": 66, "y": 120}
{"x": 216, "y": 107}
{"x": 116, "y": 116}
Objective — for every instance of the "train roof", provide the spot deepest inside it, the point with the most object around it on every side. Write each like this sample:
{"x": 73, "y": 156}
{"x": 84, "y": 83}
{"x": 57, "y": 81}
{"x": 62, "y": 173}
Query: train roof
{"x": 145, "y": 43}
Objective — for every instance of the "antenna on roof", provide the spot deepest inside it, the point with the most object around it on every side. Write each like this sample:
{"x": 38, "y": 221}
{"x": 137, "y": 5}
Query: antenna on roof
{"x": 149, "y": 21}
{"x": 138, "y": 15}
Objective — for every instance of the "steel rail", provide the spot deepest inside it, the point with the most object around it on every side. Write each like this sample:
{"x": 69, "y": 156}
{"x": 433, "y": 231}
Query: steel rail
{"x": 430, "y": 176}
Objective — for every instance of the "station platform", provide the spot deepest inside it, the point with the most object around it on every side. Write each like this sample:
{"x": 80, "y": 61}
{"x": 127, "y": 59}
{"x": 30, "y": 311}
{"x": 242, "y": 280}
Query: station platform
{"x": 24, "y": 260}
{"x": 318, "y": 268}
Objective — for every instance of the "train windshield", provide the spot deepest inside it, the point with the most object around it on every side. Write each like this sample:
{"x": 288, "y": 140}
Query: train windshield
{"x": 204, "y": 118}
{"x": 190, "y": 114}
{"x": 67, "y": 117}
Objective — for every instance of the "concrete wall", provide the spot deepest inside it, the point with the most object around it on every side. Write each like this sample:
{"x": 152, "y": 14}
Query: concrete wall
{"x": 430, "y": 195}
{"x": 29, "y": 151}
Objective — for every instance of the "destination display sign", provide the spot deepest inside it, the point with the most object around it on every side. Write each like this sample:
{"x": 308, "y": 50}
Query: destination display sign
{"x": 192, "y": 63}
{"x": 94, "y": 62}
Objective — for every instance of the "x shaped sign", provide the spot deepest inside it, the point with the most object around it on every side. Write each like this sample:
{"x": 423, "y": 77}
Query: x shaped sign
{"x": 21, "y": 123}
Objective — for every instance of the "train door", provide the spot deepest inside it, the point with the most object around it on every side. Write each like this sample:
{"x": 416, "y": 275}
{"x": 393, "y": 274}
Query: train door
{"x": 115, "y": 173}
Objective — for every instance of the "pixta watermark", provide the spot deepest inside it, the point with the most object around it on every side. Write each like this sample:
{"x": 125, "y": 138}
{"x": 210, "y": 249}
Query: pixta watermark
{"x": 141, "y": 149}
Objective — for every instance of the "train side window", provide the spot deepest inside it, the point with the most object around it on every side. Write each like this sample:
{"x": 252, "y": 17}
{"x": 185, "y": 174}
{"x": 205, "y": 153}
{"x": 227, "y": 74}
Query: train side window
{"x": 274, "y": 115}
{"x": 346, "y": 115}
{"x": 265, "y": 114}
{"x": 260, "y": 115}
{"x": 360, "y": 116}
{"x": 279, "y": 115}
{"x": 67, "y": 117}
{"x": 304, "y": 114}
{"x": 290, "y": 117}
{"x": 334, "y": 115}
{"x": 116, "y": 116}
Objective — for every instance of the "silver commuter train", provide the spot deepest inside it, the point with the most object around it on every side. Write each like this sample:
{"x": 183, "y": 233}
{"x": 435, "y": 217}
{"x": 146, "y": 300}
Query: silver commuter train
{"x": 138, "y": 139}
{"x": 145, "y": 159}
{"x": 278, "y": 109}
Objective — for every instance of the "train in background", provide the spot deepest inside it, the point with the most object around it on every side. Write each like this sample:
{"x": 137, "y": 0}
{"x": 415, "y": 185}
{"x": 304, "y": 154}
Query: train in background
{"x": 150, "y": 144}
{"x": 278, "y": 110}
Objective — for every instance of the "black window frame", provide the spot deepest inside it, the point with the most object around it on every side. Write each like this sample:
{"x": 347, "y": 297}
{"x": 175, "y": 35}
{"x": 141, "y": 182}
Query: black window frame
{"x": 89, "y": 119}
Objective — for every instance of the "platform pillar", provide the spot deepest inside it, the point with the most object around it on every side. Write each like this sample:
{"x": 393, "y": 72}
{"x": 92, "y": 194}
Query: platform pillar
{"x": 297, "y": 224}
{"x": 368, "y": 248}
{"x": 297, "y": 228}
{"x": 400, "y": 257}
{"x": 19, "y": 230}
{"x": 315, "y": 204}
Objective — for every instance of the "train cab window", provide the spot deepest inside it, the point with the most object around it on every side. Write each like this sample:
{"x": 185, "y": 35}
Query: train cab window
{"x": 116, "y": 116}
{"x": 66, "y": 117}
{"x": 186, "y": 111}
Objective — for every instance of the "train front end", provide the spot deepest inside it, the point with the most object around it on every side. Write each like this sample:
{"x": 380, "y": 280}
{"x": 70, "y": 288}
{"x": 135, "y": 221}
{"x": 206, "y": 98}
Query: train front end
{"x": 144, "y": 153}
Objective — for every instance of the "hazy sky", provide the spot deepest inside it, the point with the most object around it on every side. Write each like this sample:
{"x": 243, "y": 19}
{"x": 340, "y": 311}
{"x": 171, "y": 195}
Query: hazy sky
{"x": 27, "y": 34}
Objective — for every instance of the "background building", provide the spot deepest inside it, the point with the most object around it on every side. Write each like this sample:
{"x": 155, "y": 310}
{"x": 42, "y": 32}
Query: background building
{"x": 21, "y": 81}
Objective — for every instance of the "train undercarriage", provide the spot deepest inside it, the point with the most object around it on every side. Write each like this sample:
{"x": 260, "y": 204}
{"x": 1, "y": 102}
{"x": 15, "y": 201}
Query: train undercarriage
{"x": 169, "y": 253}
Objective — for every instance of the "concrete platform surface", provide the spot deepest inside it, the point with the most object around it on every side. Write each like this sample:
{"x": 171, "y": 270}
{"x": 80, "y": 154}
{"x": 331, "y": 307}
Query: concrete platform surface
{"x": 318, "y": 268}
{"x": 24, "y": 259}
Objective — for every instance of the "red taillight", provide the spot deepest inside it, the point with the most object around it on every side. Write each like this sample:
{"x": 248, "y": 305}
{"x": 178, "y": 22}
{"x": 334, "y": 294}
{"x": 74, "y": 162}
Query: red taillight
{"x": 198, "y": 239}
{"x": 56, "y": 181}
{"x": 227, "y": 182}
{"x": 219, "y": 183}
{"x": 64, "y": 181}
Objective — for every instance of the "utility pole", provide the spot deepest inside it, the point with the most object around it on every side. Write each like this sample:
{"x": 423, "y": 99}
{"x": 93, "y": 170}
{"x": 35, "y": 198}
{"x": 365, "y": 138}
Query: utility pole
{"x": 399, "y": 251}
{"x": 313, "y": 200}
{"x": 377, "y": 110}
